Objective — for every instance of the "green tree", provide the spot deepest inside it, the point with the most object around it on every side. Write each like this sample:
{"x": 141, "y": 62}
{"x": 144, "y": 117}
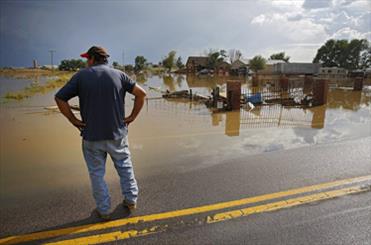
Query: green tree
{"x": 140, "y": 63}
{"x": 179, "y": 63}
{"x": 365, "y": 61}
{"x": 355, "y": 49}
{"x": 129, "y": 68}
{"x": 326, "y": 54}
{"x": 280, "y": 56}
{"x": 216, "y": 57}
{"x": 169, "y": 61}
{"x": 115, "y": 64}
{"x": 71, "y": 65}
{"x": 223, "y": 54}
{"x": 257, "y": 63}
{"x": 342, "y": 53}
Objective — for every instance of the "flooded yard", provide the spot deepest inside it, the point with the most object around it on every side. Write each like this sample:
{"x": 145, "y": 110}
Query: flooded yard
{"x": 41, "y": 151}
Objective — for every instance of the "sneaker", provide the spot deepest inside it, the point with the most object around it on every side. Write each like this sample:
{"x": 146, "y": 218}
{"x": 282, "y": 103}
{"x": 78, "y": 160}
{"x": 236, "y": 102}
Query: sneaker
{"x": 130, "y": 206}
{"x": 102, "y": 216}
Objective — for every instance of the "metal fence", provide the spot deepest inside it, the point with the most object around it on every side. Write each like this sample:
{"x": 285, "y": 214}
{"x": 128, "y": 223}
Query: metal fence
{"x": 260, "y": 117}
{"x": 275, "y": 116}
{"x": 273, "y": 92}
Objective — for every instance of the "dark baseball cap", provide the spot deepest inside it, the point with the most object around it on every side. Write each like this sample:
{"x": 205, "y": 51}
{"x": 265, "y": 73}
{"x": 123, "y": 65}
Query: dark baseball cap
{"x": 94, "y": 51}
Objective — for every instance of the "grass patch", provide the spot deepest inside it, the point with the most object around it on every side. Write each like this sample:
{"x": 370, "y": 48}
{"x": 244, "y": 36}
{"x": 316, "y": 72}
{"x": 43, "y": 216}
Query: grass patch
{"x": 155, "y": 70}
{"x": 38, "y": 89}
{"x": 28, "y": 73}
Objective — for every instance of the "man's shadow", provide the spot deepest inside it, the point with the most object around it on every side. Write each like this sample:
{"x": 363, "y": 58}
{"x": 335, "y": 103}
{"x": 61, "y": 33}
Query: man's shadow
{"x": 120, "y": 212}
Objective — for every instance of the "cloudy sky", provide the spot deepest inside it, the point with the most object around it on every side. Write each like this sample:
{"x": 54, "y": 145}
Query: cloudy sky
{"x": 28, "y": 29}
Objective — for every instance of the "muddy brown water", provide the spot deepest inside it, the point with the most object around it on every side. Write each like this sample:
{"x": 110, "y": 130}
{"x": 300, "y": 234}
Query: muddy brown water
{"x": 41, "y": 151}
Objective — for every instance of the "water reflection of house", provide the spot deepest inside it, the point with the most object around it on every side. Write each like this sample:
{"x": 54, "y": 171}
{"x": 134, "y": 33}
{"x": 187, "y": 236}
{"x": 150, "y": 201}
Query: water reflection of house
{"x": 204, "y": 82}
{"x": 196, "y": 63}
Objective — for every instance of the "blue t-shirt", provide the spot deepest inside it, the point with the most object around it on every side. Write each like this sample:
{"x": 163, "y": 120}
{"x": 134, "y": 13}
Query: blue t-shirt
{"x": 101, "y": 91}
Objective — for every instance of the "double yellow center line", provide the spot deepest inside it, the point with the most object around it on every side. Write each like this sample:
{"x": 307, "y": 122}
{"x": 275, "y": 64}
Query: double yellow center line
{"x": 118, "y": 235}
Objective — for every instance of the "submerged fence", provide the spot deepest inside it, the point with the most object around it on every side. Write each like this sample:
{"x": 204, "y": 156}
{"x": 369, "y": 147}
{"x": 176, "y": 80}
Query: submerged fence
{"x": 275, "y": 116}
{"x": 260, "y": 117}
{"x": 278, "y": 91}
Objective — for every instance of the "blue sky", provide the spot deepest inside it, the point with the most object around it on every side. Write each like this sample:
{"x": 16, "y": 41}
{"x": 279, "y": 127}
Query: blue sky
{"x": 28, "y": 29}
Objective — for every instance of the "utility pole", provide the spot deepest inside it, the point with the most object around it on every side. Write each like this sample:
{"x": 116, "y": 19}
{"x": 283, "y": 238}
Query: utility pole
{"x": 123, "y": 60}
{"x": 51, "y": 58}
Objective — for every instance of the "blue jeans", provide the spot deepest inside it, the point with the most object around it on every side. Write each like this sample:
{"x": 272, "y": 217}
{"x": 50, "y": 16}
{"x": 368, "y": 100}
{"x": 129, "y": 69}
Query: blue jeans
{"x": 95, "y": 154}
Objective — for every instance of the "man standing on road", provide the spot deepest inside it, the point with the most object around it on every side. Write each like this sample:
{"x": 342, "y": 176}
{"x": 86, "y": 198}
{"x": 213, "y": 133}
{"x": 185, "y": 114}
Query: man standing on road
{"x": 104, "y": 127}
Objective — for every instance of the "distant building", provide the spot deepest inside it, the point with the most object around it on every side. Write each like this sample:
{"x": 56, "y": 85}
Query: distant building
{"x": 333, "y": 73}
{"x": 273, "y": 62}
{"x": 269, "y": 66}
{"x": 196, "y": 63}
{"x": 49, "y": 67}
{"x": 296, "y": 68}
{"x": 222, "y": 68}
{"x": 240, "y": 67}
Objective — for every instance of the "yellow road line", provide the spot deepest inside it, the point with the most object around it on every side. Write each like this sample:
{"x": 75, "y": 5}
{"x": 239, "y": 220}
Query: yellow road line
{"x": 176, "y": 213}
{"x": 285, "y": 204}
{"x": 112, "y": 236}
{"x": 118, "y": 235}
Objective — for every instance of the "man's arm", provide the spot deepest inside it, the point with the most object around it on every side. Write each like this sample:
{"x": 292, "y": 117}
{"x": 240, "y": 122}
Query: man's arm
{"x": 139, "y": 94}
{"x": 65, "y": 109}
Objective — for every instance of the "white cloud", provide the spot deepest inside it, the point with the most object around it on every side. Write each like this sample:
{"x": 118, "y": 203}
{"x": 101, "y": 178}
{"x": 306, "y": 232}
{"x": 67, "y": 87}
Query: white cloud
{"x": 260, "y": 19}
{"x": 298, "y": 38}
{"x": 348, "y": 33}
{"x": 300, "y": 28}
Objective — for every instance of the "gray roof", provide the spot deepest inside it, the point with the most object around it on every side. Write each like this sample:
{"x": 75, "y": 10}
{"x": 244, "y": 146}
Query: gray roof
{"x": 198, "y": 60}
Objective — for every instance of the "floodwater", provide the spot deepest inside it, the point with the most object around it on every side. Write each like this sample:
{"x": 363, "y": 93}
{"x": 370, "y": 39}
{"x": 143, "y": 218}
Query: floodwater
{"x": 41, "y": 151}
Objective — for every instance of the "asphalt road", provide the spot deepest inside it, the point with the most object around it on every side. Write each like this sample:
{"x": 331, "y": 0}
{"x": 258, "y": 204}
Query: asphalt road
{"x": 344, "y": 218}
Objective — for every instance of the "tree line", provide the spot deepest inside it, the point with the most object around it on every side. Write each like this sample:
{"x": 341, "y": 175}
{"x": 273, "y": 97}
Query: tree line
{"x": 351, "y": 55}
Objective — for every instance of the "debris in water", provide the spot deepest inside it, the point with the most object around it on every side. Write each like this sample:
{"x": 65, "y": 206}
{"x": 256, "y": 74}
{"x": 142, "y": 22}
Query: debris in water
{"x": 251, "y": 106}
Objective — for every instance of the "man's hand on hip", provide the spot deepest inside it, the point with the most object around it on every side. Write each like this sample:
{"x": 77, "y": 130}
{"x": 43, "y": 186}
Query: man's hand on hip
{"x": 65, "y": 109}
{"x": 78, "y": 123}
{"x": 128, "y": 120}
{"x": 139, "y": 94}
